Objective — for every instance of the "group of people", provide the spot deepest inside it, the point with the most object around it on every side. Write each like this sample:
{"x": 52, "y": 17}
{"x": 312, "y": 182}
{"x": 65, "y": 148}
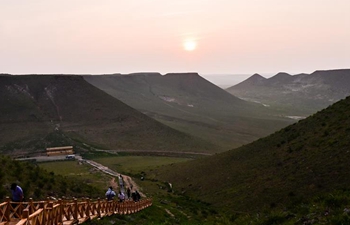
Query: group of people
{"x": 18, "y": 196}
{"x": 135, "y": 196}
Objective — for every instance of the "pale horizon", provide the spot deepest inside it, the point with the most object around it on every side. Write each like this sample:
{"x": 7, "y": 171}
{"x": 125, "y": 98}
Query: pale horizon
{"x": 204, "y": 36}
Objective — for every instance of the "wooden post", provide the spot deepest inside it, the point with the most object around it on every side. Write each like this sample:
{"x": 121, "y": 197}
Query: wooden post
{"x": 76, "y": 211}
{"x": 8, "y": 212}
{"x": 87, "y": 212}
{"x": 25, "y": 214}
{"x": 115, "y": 206}
{"x": 124, "y": 208}
{"x": 48, "y": 214}
{"x": 60, "y": 212}
{"x": 99, "y": 207}
{"x": 31, "y": 204}
{"x": 132, "y": 206}
{"x": 128, "y": 207}
{"x": 47, "y": 200}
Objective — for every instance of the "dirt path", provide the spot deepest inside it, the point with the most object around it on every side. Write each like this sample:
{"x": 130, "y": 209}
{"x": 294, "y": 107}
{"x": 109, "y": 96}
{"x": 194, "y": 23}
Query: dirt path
{"x": 127, "y": 181}
{"x": 113, "y": 184}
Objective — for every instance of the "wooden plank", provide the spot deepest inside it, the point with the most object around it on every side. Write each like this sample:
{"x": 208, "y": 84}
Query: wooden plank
{"x": 82, "y": 220}
{"x": 13, "y": 222}
{"x": 8, "y": 223}
{"x": 93, "y": 217}
{"x": 68, "y": 222}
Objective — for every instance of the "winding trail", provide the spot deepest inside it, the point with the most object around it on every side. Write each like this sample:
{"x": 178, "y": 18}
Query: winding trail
{"x": 127, "y": 180}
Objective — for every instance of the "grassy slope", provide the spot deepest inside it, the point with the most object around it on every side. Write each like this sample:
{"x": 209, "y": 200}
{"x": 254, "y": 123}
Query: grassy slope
{"x": 299, "y": 161}
{"x": 165, "y": 203}
{"x": 216, "y": 115}
{"x": 38, "y": 183}
{"x": 41, "y": 103}
{"x": 323, "y": 209}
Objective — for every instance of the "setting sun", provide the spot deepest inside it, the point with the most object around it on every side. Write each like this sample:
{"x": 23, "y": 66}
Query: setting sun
{"x": 190, "y": 45}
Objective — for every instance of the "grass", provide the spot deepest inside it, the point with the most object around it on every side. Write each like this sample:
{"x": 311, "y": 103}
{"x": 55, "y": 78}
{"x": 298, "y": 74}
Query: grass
{"x": 130, "y": 165}
{"x": 168, "y": 207}
{"x": 37, "y": 183}
{"x": 66, "y": 168}
{"x": 305, "y": 159}
{"x": 171, "y": 207}
{"x": 82, "y": 172}
{"x": 137, "y": 164}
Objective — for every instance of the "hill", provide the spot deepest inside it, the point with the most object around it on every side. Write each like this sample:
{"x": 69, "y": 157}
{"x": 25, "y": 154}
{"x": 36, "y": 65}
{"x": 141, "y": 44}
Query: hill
{"x": 301, "y": 161}
{"x": 298, "y": 95}
{"x": 191, "y": 104}
{"x": 39, "y": 111}
{"x": 38, "y": 184}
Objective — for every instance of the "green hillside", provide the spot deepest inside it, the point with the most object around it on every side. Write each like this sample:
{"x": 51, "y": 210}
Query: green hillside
{"x": 191, "y": 104}
{"x": 38, "y": 184}
{"x": 301, "y": 161}
{"x": 35, "y": 107}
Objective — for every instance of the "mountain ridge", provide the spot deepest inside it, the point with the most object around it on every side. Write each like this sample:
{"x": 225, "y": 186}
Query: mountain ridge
{"x": 47, "y": 103}
{"x": 301, "y": 94}
{"x": 190, "y": 103}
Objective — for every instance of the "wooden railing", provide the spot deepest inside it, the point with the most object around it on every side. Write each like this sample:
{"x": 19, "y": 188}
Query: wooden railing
{"x": 62, "y": 211}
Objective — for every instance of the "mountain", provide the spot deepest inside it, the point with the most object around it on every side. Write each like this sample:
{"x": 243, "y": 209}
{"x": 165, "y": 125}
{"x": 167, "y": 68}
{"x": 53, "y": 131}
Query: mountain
{"x": 296, "y": 95}
{"x": 191, "y": 104}
{"x": 301, "y": 161}
{"x": 43, "y": 110}
{"x": 256, "y": 79}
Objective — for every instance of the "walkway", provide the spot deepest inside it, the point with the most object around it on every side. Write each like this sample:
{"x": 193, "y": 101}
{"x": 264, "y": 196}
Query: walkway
{"x": 65, "y": 212}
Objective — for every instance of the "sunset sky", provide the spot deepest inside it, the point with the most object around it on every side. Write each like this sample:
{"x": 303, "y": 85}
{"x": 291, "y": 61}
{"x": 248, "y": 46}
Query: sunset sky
{"x": 206, "y": 36}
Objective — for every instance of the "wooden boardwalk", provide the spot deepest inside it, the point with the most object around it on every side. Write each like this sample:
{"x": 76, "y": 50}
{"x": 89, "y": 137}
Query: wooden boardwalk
{"x": 65, "y": 212}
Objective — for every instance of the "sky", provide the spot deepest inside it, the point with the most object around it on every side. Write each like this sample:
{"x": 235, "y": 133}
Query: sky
{"x": 211, "y": 37}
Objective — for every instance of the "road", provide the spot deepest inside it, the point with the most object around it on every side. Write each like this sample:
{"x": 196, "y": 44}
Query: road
{"x": 47, "y": 158}
{"x": 155, "y": 152}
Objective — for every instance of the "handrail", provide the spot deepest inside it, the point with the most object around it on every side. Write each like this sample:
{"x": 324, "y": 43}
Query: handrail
{"x": 36, "y": 218}
{"x": 57, "y": 212}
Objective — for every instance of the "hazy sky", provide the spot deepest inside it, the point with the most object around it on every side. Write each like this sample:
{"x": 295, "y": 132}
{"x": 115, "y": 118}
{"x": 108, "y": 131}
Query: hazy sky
{"x": 125, "y": 36}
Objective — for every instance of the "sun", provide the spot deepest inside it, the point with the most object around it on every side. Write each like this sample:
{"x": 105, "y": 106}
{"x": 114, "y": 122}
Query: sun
{"x": 190, "y": 45}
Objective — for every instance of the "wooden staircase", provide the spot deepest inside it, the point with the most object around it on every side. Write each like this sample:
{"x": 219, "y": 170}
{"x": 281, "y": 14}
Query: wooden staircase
{"x": 65, "y": 212}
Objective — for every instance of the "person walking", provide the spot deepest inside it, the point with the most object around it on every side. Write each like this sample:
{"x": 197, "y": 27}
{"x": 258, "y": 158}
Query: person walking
{"x": 110, "y": 194}
{"x": 138, "y": 196}
{"x": 121, "y": 182}
{"x": 121, "y": 196}
{"x": 128, "y": 192}
{"x": 17, "y": 193}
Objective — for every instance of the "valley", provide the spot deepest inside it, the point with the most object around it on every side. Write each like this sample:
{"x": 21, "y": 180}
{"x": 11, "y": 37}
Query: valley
{"x": 216, "y": 112}
{"x": 189, "y": 103}
{"x": 177, "y": 143}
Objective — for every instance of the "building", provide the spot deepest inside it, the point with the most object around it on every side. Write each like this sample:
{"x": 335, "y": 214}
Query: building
{"x": 64, "y": 150}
